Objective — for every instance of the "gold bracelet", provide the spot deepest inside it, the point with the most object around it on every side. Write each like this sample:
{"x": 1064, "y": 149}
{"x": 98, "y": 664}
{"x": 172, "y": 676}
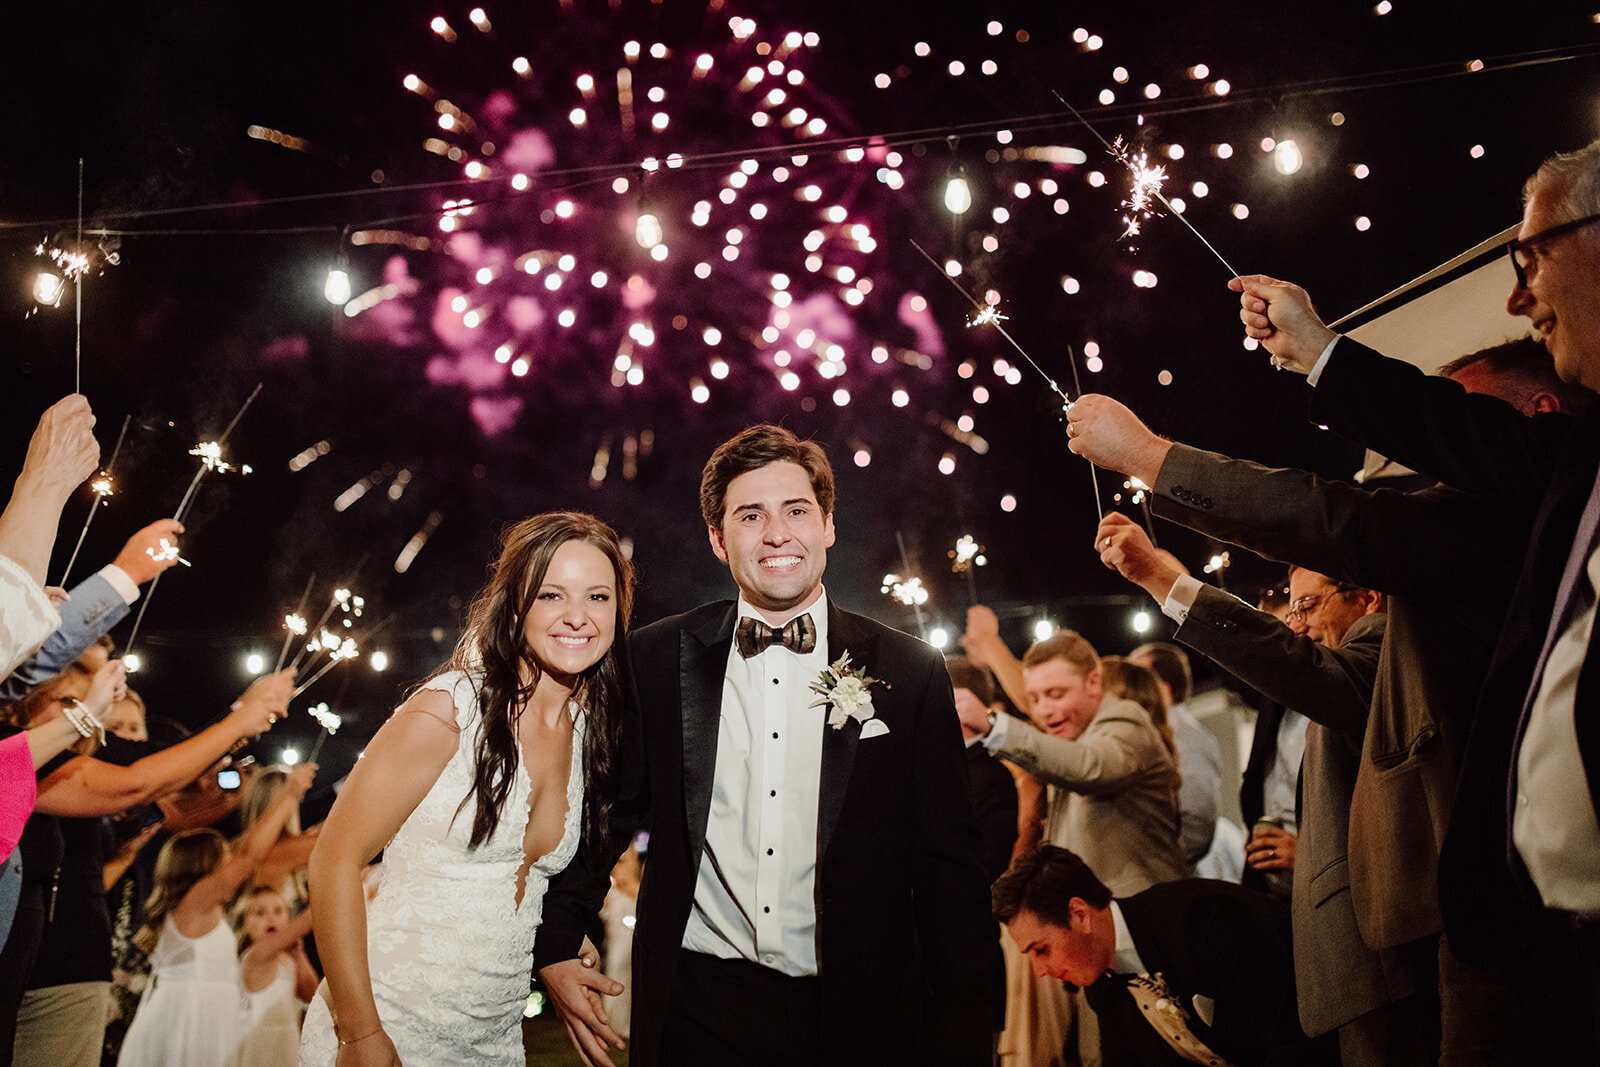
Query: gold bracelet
{"x": 363, "y": 1037}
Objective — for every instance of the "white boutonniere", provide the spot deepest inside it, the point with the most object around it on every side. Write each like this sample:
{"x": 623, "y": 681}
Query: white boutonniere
{"x": 843, "y": 690}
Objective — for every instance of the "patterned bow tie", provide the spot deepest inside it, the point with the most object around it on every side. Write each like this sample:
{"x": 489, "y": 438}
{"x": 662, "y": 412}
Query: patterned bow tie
{"x": 753, "y": 636}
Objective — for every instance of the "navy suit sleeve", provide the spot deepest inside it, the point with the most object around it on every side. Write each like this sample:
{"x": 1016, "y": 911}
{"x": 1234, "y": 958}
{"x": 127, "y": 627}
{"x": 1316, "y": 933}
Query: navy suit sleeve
{"x": 94, "y": 609}
{"x": 1474, "y": 442}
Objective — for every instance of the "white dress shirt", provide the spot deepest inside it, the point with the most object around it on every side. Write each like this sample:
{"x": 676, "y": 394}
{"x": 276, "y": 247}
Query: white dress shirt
{"x": 755, "y": 898}
{"x": 1553, "y": 824}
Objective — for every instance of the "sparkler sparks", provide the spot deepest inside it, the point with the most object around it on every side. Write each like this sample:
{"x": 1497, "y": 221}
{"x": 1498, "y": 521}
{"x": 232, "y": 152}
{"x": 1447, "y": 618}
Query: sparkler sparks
{"x": 1145, "y": 192}
{"x": 967, "y": 554}
{"x": 908, "y": 591}
{"x": 166, "y": 551}
{"x": 989, "y": 316}
{"x": 327, "y": 719}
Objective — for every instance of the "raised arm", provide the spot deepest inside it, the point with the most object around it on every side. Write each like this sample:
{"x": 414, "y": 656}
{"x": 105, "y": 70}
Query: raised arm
{"x": 214, "y": 889}
{"x": 85, "y": 787}
{"x": 400, "y": 764}
{"x": 1330, "y": 686}
{"x": 984, "y": 647}
{"x": 61, "y": 454}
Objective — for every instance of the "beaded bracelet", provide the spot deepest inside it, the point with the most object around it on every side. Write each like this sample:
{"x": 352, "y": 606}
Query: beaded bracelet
{"x": 86, "y": 724}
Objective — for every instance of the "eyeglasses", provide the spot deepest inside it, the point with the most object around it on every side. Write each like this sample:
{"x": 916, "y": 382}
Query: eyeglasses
{"x": 1525, "y": 253}
{"x": 1299, "y": 609}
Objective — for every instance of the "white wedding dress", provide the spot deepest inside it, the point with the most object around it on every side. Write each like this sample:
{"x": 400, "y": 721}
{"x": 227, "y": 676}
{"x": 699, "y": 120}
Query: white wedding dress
{"x": 450, "y": 950}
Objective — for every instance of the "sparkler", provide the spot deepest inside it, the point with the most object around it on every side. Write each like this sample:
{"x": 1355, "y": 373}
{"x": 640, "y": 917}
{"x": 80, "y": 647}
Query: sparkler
{"x": 338, "y": 652}
{"x": 909, "y": 590}
{"x": 1146, "y": 183}
{"x": 294, "y": 625}
{"x": 330, "y": 723}
{"x": 965, "y": 558}
{"x": 210, "y": 453}
{"x": 986, "y": 313}
{"x": 102, "y": 487}
{"x": 1139, "y": 493}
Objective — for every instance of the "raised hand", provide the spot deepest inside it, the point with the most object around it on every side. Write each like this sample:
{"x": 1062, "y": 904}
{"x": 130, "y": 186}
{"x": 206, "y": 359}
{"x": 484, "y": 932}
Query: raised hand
{"x": 1107, "y": 434}
{"x": 1126, "y": 548}
{"x": 264, "y": 703}
{"x": 1279, "y": 314}
{"x": 63, "y": 451}
{"x": 142, "y": 558}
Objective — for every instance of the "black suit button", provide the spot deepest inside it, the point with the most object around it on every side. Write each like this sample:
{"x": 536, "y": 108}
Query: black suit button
{"x": 1177, "y": 491}
{"x": 769, "y": 852}
{"x": 1205, "y": 502}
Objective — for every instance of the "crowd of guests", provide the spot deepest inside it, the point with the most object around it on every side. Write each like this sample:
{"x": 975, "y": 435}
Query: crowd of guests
{"x": 1419, "y": 881}
{"x": 1422, "y": 783}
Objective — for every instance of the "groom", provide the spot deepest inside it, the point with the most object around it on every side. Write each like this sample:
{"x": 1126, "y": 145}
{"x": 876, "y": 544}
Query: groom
{"x": 814, "y": 891}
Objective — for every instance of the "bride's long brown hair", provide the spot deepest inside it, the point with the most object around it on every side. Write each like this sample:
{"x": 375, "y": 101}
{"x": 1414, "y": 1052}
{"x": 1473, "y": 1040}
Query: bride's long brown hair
{"x": 493, "y": 653}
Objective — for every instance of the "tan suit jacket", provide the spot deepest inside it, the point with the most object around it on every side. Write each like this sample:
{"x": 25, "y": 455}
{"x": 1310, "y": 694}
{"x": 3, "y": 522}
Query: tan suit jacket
{"x": 1113, "y": 794}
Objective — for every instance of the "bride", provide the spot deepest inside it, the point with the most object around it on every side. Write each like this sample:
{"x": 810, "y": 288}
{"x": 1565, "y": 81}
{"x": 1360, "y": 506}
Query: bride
{"x": 474, "y": 790}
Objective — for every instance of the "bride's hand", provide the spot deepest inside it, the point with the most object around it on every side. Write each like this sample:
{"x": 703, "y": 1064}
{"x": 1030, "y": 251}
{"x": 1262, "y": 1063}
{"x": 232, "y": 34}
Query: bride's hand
{"x": 374, "y": 1050}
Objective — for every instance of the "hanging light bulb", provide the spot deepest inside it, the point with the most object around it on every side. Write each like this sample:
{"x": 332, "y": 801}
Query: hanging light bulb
{"x": 337, "y": 287}
{"x": 47, "y": 287}
{"x": 958, "y": 194}
{"x": 647, "y": 230}
{"x": 1286, "y": 156}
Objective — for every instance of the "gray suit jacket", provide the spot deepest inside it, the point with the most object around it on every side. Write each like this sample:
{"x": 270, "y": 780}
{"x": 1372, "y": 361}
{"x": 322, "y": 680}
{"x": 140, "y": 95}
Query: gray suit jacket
{"x": 1442, "y": 556}
{"x": 1338, "y": 977}
{"x": 1113, "y": 794}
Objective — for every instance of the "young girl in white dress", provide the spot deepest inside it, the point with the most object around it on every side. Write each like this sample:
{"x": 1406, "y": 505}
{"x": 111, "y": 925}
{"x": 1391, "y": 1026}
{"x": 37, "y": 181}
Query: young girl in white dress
{"x": 192, "y": 1009}
{"x": 277, "y": 976}
{"x": 474, "y": 790}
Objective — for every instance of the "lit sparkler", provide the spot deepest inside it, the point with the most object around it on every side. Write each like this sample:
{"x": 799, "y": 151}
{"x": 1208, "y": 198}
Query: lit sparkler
{"x": 908, "y": 591}
{"x": 1145, "y": 193}
{"x": 210, "y": 453}
{"x": 1147, "y": 182}
{"x": 330, "y": 722}
{"x": 989, "y": 316}
{"x": 102, "y": 487}
{"x": 967, "y": 554}
{"x": 166, "y": 551}
{"x": 1139, "y": 493}
{"x": 294, "y": 624}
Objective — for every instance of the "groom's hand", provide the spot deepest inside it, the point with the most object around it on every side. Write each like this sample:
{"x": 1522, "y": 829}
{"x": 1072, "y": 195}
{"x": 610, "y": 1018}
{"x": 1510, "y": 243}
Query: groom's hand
{"x": 575, "y": 988}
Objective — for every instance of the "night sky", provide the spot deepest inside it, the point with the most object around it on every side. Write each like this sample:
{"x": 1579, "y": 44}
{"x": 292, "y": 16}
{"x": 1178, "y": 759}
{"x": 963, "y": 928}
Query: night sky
{"x": 159, "y": 99}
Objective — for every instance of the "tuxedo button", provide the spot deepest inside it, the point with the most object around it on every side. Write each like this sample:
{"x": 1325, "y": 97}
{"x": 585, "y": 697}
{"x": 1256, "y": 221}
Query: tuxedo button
{"x": 773, "y": 793}
{"x": 765, "y": 910}
{"x": 769, "y": 852}
{"x": 774, "y": 735}
{"x": 1205, "y": 502}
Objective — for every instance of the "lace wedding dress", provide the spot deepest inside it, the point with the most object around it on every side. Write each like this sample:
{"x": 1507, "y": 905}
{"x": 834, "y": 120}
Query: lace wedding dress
{"x": 450, "y": 950}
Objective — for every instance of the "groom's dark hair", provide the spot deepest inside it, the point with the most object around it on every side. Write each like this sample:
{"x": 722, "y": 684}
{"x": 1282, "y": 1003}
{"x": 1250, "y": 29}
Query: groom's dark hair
{"x": 753, "y": 449}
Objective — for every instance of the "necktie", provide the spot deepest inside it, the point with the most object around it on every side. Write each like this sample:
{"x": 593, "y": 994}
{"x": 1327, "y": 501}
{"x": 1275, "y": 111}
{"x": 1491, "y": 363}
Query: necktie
{"x": 753, "y": 636}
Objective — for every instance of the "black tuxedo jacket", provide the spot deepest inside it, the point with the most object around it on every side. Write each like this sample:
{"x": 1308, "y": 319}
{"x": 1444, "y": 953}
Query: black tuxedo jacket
{"x": 1215, "y": 940}
{"x": 1544, "y": 466}
{"x": 994, "y": 799}
{"x": 908, "y": 955}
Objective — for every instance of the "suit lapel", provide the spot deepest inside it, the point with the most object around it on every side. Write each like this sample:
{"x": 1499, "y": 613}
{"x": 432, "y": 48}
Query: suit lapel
{"x": 845, "y": 634}
{"x": 702, "y": 667}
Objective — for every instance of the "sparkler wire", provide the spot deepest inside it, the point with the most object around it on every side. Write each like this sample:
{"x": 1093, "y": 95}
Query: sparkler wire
{"x": 77, "y": 300}
{"x": 96, "y": 504}
{"x": 1051, "y": 382}
{"x": 905, "y": 562}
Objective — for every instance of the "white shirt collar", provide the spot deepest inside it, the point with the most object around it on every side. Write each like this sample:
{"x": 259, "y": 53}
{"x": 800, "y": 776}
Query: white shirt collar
{"x": 1125, "y": 960}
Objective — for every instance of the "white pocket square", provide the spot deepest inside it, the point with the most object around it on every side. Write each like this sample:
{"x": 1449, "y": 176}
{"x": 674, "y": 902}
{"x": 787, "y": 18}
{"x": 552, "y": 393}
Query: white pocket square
{"x": 873, "y": 728}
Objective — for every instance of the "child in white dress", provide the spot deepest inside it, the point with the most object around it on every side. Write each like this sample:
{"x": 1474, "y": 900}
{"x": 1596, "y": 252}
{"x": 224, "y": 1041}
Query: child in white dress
{"x": 278, "y": 978}
{"x": 192, "y": 1012}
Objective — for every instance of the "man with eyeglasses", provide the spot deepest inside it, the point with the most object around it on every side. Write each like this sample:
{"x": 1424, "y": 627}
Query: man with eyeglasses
{"x": 1324, "y": 663}
{"x": 1519, "y": 874}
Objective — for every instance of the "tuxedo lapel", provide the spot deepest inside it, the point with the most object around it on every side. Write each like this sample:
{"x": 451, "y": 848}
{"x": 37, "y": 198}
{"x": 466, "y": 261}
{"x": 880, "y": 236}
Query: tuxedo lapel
{"x": 845, "y": 634}
{"x": 702, "y": 668}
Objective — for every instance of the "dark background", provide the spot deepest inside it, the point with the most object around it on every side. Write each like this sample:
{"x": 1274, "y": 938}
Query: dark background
{"x": 157, "y": 99}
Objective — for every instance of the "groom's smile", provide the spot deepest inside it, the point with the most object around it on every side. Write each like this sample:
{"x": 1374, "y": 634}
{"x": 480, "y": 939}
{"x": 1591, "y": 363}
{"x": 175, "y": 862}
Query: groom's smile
{"x": 774, "y": 538}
